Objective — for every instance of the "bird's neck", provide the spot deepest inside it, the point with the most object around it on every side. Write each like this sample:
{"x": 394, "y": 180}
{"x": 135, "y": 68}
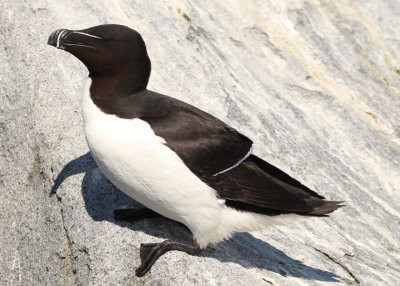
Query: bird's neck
{"x": 110, "y": 92}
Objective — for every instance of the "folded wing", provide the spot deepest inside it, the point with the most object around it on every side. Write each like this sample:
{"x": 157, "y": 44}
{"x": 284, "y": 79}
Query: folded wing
{"x": 210, "y": 149}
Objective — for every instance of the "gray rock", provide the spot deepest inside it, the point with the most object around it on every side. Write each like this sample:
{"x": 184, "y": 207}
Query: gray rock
{"x": 315, "y": 85}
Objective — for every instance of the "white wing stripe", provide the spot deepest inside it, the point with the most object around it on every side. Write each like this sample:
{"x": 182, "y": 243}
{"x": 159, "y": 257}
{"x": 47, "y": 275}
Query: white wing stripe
{"x": 237, "y": 164}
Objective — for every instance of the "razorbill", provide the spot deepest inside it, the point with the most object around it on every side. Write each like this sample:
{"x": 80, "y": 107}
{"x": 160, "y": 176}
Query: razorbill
{"x": 175, "y": 159}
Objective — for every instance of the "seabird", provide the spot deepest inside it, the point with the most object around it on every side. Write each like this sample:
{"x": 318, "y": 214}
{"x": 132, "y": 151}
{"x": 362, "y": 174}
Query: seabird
{"x": 177, "y": 160}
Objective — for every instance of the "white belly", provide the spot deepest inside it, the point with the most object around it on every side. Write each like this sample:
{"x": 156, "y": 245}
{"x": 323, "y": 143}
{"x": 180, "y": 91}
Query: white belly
{"x": 140, "y": 164}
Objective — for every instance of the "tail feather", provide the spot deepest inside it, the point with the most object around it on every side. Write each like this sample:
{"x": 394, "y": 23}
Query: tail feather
{"x": 326, "y": 208}
{"x": 257, "y": 186}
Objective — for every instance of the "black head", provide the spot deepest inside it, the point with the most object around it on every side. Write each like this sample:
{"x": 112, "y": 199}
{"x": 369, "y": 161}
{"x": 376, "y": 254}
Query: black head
{"x": 114, "y": 54}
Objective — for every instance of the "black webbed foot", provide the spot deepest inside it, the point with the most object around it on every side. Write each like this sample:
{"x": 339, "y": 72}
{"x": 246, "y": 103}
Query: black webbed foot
{"x": 150, "y": 252}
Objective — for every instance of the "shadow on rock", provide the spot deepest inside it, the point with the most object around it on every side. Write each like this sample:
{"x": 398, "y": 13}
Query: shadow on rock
{"x": 101, "y": 198}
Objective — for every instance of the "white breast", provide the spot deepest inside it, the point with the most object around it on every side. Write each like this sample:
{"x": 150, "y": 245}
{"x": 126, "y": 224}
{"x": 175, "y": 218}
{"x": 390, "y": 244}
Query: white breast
{"x": 139, "y": 163}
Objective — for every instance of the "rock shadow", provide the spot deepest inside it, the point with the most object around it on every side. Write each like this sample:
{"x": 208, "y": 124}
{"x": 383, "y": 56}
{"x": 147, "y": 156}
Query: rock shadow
{"x": 101, "y": 198}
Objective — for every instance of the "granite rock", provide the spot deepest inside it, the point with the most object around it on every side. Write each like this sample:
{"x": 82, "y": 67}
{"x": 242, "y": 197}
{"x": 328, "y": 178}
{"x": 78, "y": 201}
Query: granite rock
{"x": 314, "y": 84}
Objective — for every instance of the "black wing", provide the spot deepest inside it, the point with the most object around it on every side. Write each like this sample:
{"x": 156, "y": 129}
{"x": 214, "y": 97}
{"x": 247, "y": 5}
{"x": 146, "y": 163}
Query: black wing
{"x": 209, "y": 147}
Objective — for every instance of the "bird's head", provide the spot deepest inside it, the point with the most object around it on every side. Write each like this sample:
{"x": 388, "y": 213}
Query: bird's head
{"x": 110, "y": 51}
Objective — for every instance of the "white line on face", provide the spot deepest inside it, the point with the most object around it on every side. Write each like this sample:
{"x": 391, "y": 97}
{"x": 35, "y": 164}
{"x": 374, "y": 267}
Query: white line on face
{"x": 92, "y": 36}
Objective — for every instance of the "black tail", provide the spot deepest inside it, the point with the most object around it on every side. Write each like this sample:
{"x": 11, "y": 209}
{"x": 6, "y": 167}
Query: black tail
{"x": 257, "y": 186}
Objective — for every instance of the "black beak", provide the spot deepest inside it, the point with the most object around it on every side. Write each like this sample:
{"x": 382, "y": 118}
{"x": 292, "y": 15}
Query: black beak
{"x": 56, "y": 38}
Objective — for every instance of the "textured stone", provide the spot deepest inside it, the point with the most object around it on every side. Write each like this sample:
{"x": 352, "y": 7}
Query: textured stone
{"x": 315, "y": 85}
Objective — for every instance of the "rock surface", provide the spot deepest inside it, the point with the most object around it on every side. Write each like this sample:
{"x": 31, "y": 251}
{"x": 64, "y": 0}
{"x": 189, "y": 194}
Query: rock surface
{"x": 315, "y": 85}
